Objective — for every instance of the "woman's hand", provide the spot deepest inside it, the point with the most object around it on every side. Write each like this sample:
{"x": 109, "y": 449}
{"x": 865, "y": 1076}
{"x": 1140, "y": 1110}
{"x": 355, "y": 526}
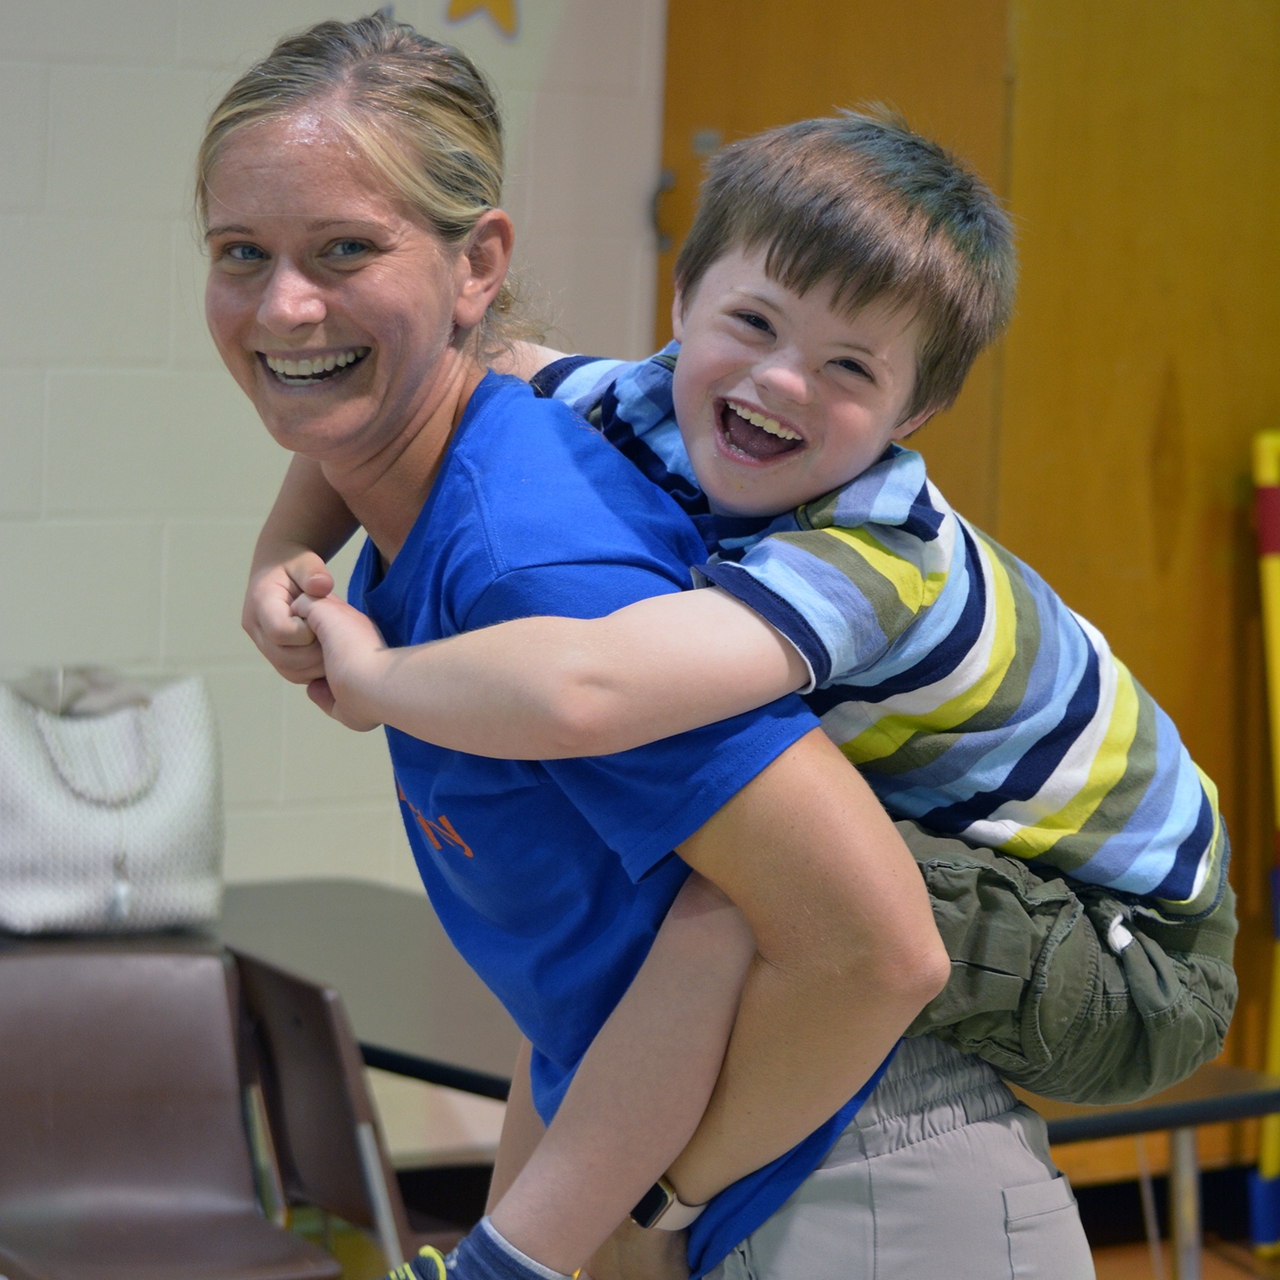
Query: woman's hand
{"x": 283, "y": 636}
{"x": 352, "y": 660}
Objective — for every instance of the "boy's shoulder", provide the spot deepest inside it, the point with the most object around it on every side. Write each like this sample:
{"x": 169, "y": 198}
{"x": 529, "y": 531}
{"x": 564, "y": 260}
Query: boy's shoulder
{"x": 894, "y": 492}
{"x": 640, "y": 389}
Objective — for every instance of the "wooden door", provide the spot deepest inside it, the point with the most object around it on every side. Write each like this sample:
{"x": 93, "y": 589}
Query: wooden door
{"x": 1138, "y": 146}
{"x": 736, "y": 68}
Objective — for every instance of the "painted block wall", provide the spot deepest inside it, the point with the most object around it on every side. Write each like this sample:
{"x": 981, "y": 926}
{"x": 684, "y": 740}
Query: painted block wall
{"x": 133, "y": 473}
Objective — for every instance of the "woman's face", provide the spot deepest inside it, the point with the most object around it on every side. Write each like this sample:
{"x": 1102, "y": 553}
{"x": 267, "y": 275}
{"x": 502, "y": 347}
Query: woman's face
{"x": 331, "y": 303}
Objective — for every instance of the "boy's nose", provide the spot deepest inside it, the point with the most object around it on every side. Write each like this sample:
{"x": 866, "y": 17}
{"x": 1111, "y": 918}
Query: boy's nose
{"x": 289, "y": 302}
{"x": 783, "y": 378}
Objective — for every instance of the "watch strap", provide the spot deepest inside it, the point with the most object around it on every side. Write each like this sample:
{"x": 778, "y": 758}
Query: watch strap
{"x": 660, "y": 1207}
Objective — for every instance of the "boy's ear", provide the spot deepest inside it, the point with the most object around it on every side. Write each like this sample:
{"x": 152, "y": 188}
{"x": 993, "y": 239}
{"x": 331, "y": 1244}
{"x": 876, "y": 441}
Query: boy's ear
{"x": 677, "y": 317}
{"x": 482, "y": 266}
{"x": 912, "y": 425}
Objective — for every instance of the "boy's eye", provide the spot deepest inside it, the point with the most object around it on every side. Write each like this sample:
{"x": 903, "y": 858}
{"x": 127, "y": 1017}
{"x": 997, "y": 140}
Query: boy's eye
{"x": 854, "y": 366}
{"x": 754, "y": 320}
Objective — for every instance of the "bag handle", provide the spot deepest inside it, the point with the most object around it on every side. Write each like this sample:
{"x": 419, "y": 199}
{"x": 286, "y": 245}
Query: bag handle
{"x": 110, "y": 759}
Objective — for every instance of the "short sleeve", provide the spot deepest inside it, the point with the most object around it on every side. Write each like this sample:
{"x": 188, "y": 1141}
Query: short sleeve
{"x": 841, "y": 596}
{"x": 644, "y": 802}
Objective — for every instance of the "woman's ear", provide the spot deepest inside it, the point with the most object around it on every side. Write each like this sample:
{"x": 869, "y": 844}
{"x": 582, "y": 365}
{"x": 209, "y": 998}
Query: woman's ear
{"x": 482, "y": 267}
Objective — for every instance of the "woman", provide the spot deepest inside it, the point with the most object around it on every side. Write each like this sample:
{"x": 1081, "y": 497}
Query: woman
{"x": 349, "y": 190}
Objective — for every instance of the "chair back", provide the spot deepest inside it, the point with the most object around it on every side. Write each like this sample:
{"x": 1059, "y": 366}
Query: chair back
{"x": 119, "y": 1084}
{"x": 123, "y": 1150}
{"x": 323, "y": 1122}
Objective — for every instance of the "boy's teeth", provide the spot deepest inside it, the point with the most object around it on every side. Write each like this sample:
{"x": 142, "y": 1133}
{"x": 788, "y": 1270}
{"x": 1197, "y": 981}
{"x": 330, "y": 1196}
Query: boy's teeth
{"x": 771, "y": 425}
{"x": 320, "y": 364}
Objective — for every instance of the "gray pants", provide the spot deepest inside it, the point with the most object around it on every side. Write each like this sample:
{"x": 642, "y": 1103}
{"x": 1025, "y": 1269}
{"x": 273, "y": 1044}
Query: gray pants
{"x": 942, "y": 1173}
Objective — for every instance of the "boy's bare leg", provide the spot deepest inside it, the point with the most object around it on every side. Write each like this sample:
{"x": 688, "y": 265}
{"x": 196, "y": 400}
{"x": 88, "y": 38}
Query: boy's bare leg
{"x": 522, "y": 1130}
{"x": 630, "y": 1253}
{"x": 638, "y": 1095}
{"x": 633, "y": 1253}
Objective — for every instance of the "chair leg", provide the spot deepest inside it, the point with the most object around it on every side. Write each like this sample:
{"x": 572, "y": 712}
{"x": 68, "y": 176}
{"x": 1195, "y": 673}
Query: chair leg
{"x": 379, "y": 1197}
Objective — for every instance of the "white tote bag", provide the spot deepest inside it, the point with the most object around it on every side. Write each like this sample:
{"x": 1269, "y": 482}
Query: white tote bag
{"x": 109, "y": 821}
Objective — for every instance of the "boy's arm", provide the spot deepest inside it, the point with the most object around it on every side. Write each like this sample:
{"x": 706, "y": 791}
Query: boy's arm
{"x": 308, "y": 524}
{"x": 558, "y": 688}
{"x": 640, "y": 1090}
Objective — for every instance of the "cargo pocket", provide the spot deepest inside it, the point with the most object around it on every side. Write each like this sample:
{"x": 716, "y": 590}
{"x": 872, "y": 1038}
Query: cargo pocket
{"x": 1046, "y": 1240}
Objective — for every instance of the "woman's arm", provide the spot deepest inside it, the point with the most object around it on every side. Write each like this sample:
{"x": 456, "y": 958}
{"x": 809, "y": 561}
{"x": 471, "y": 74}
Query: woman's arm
{"x": 558, "y": 688}
{"x": 308, "y": 525}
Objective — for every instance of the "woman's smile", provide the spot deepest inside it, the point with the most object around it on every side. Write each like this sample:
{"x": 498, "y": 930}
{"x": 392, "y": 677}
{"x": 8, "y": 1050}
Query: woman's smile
{"x": 312, "y": 368}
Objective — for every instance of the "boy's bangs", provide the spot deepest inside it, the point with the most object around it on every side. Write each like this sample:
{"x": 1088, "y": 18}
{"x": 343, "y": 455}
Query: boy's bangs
{"x": 860, "y": 266}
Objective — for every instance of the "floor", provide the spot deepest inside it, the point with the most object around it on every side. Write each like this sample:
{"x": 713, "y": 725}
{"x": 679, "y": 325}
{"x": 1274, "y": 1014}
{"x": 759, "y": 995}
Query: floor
{"x": 1133, "y": 1262}
{"x": 361, "y": 1261}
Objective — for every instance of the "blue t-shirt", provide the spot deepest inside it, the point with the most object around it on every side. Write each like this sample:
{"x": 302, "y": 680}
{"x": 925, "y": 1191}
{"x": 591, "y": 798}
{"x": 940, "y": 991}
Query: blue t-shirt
{"x": 552, "y": 878}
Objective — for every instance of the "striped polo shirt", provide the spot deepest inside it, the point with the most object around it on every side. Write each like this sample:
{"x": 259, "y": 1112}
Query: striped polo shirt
{"x": 970, "y": 697}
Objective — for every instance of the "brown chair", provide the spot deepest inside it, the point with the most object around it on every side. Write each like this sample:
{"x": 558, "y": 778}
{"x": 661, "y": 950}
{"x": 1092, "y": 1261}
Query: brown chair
{"x": 324, "y": 1127}
{"x": 123, "y": 1153}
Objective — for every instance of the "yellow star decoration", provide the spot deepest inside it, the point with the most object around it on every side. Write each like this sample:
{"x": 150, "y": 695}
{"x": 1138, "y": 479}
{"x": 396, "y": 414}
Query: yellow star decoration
{"x": 504, "y": 13}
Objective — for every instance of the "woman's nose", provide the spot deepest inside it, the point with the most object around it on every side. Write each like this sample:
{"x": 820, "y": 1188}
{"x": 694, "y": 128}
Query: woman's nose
{"x": 289, "y": 302}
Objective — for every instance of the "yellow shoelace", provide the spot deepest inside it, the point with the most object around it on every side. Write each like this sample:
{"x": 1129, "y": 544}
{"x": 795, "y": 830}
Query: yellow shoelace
{"x": 406, "y": 1273}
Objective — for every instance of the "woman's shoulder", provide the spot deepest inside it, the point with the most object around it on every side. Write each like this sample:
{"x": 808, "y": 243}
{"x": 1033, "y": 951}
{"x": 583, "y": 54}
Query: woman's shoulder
{"x": 545, "y": 485}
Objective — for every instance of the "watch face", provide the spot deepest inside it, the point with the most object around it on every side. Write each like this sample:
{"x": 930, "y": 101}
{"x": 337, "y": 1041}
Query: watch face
{"x": 653, "y": 1204}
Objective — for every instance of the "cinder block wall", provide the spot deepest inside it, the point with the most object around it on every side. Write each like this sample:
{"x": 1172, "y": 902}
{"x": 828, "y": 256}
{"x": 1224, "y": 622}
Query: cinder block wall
{"x": 133, "y": 473}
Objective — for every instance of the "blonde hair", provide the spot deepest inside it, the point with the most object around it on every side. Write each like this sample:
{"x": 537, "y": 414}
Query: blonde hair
{"x": 419, "y": 112}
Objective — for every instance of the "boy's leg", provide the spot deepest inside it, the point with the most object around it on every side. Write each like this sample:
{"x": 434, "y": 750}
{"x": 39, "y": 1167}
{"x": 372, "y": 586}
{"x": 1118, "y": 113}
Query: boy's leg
{"x": 1064, "y": 988}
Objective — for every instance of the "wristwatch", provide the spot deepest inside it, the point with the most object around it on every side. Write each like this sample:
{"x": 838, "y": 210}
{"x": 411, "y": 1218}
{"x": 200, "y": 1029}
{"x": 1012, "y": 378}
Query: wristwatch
{"x": 660, "y": 1207}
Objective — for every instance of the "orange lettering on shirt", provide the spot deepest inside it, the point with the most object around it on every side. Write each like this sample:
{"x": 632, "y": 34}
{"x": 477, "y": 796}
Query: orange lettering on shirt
{"x": 443, "y": 830}
{"x": 435, "y": 831}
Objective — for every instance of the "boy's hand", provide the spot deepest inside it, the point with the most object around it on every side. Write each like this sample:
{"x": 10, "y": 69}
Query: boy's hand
{"x": 285, "y": 639}
{"x": 351, "y": 648}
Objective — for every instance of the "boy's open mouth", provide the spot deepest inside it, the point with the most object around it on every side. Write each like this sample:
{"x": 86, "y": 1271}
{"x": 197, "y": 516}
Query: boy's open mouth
{"x": 758, "y": 436}
{"x": 309, "y": 372}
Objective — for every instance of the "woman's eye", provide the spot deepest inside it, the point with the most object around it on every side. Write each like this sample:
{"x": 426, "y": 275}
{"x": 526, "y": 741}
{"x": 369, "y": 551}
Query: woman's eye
{"x": 348, "y": 248}
{"x": 244, "y": 253}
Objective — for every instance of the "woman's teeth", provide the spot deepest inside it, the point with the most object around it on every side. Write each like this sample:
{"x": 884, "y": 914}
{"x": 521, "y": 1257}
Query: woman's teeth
{"x": 771, "y": 425}
{"x": 300, "y": 371}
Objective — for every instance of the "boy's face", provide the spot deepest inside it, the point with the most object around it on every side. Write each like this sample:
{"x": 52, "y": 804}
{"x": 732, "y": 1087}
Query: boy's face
{"x": 779, "y": 398}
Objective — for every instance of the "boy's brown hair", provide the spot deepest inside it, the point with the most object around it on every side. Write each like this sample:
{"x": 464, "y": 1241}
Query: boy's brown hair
{"x": 882, "y": 213}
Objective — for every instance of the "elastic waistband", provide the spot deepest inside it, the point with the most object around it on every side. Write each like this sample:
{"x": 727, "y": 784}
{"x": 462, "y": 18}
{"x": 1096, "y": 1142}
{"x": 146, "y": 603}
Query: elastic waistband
{"x": 929, "y": 1089}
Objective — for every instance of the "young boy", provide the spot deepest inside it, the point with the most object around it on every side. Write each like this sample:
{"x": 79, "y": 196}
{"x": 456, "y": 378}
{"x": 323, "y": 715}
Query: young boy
{"x": 839, "y": 280}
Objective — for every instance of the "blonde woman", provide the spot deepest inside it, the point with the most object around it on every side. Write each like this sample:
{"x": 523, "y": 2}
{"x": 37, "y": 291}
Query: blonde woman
{"x": 349, "y": 188}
